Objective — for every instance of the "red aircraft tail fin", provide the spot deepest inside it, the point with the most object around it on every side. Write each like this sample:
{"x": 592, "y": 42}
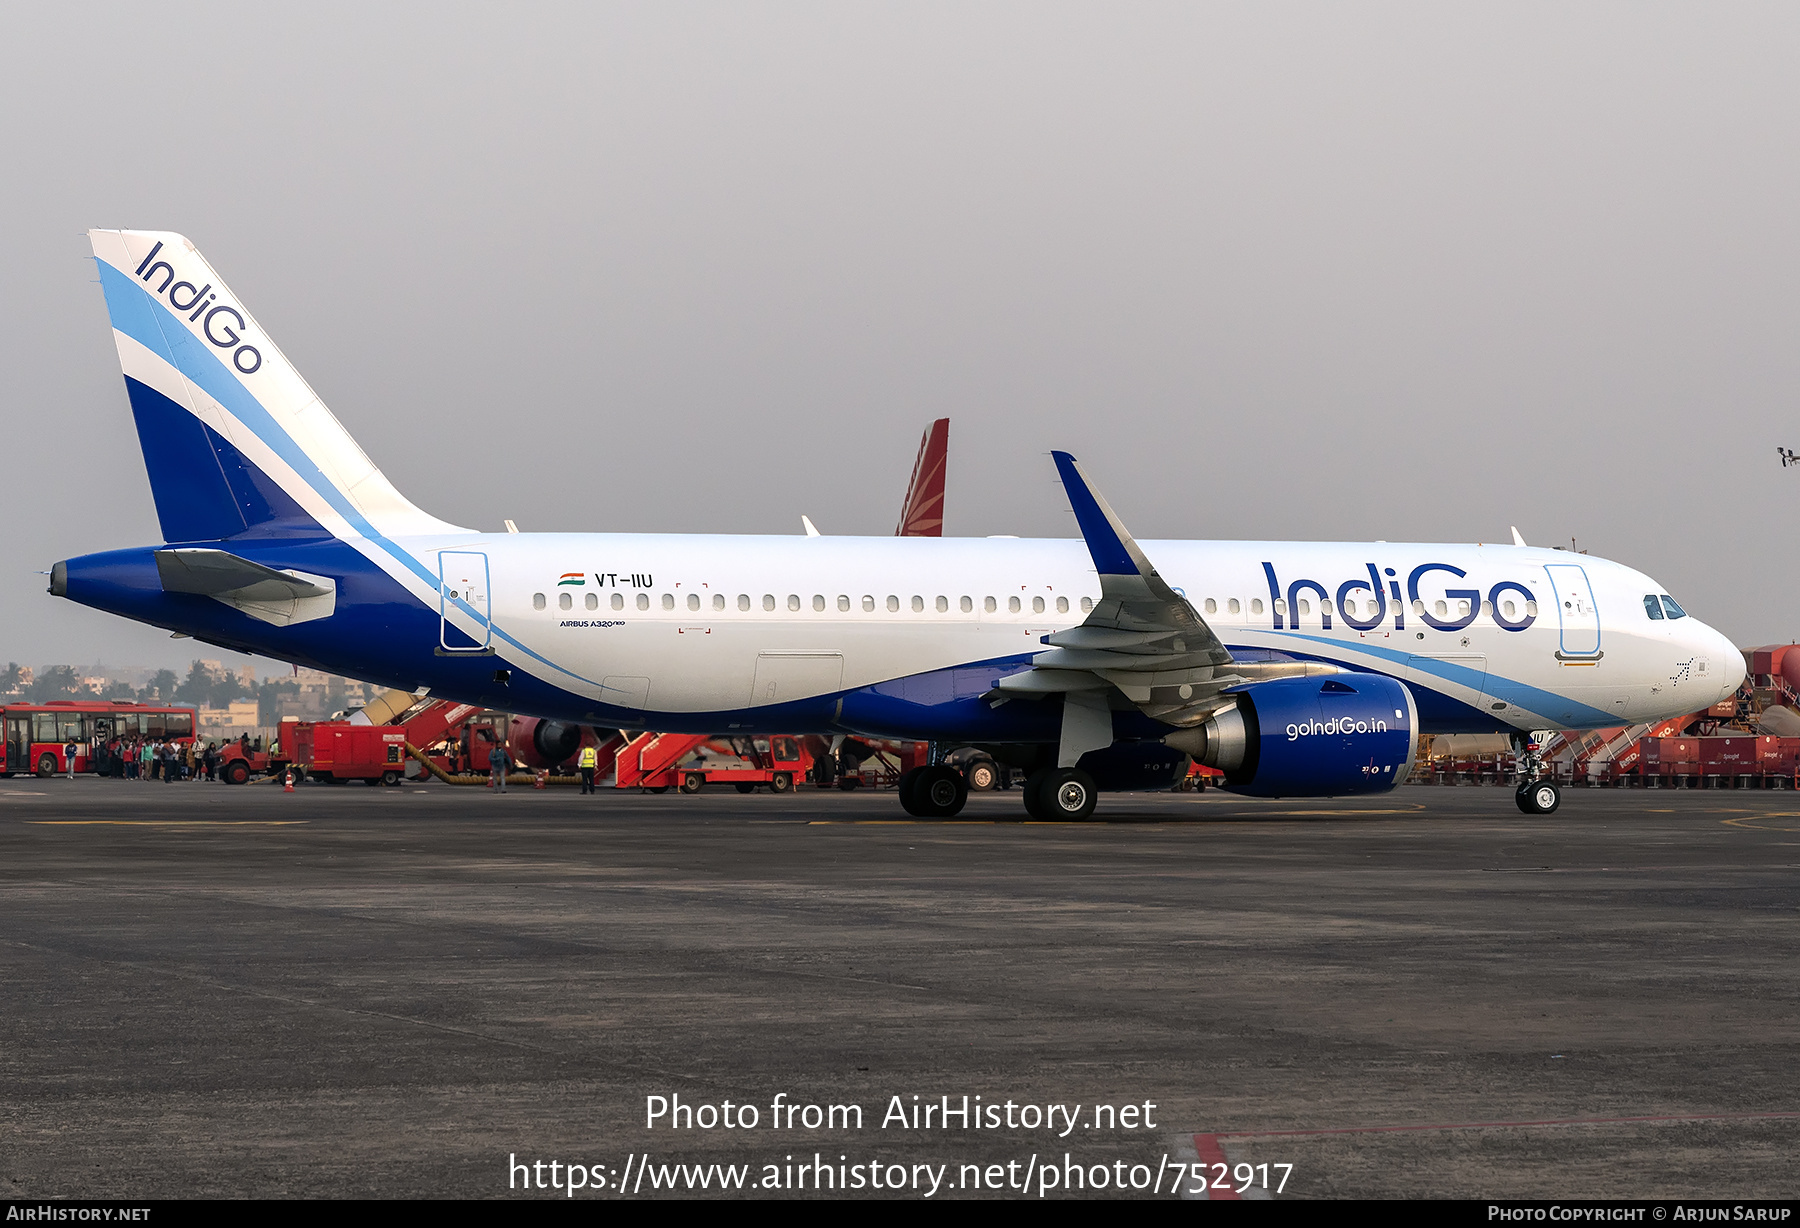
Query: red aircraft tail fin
{"x": 922, "y": 515}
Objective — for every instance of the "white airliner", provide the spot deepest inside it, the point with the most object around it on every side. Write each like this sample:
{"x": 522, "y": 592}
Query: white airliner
{"x": 1099, "y": 663}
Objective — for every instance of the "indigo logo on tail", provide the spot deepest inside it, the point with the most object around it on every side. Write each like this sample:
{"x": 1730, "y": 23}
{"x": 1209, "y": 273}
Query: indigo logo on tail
{"x": 198, "y": 308}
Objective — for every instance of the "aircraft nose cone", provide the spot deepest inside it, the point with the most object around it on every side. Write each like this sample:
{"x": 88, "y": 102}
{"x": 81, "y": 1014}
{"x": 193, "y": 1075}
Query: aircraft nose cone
{"x": 1728, "y": 662}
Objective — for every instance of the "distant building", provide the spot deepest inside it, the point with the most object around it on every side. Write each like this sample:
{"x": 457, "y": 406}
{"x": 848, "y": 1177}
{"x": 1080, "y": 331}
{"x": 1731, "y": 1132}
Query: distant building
{"x": 235, "y": 716}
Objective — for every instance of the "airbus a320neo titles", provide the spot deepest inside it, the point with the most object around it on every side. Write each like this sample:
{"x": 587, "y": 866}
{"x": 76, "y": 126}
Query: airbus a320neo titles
{"x": 1297, "y": 668}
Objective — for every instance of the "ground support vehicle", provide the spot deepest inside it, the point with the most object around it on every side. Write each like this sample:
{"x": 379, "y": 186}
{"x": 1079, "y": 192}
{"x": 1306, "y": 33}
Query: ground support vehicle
{"x": 337, "y": 751}
{"x": 657, "y": 762}
{"x": 241, "y": 760}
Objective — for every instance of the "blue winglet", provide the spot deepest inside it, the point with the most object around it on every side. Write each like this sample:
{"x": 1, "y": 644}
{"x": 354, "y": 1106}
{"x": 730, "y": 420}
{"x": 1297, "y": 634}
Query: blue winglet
{"x": 1099, "y": 527}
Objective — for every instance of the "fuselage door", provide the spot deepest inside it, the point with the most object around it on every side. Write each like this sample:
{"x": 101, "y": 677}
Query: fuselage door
{"x": 463, "y": 601}
{"x": 1576, "y": 608}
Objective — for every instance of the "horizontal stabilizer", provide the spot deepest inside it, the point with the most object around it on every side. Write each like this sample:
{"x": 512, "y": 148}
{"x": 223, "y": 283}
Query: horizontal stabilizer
{"x": 278, "y": 597}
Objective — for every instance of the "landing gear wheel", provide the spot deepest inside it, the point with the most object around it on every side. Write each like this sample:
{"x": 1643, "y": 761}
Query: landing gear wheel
{"x": 1539, "y": 797}
{"x": 983, "y": 774}
{"x": 781, "y": 782}
{"x": 904, "y": 787}
{"x": 1063, "y": 795}
{"x": 937, "y": 793}
{"x": 693, "y": 782}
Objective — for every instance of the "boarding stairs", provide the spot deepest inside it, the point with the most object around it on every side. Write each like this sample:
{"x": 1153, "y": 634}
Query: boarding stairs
{"x": 1589, "y": 755}
{"x": 650, "y": 753}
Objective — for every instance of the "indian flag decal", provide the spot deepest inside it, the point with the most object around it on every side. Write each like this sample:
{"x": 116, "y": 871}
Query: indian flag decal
{"x": 571, "y": 577}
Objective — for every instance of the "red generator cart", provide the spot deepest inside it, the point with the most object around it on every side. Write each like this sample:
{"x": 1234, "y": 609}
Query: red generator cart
{"x": 337, "y": 751}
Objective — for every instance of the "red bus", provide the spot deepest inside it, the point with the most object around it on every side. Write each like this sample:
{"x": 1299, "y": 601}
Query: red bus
{"x": 36, "y": 734}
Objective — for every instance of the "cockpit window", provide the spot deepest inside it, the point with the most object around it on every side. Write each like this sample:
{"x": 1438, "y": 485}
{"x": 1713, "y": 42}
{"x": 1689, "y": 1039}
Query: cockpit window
{"x": 1652, "y": 607}
{"x": 1674, "y": 610}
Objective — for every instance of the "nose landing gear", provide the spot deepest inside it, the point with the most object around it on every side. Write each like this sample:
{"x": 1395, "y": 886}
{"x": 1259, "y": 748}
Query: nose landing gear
{"x": 1534, "y": 796}
{"x": 1539, "y": 797}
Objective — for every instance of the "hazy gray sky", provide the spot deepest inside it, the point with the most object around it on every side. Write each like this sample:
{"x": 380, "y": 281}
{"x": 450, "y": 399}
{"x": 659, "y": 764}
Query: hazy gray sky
{"x": 1271, "y": 271}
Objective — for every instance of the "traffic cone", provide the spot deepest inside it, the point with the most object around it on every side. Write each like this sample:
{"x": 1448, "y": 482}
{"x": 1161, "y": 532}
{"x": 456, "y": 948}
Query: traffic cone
{"x": 542, "y": 781}
{"x": 287, "y": 781}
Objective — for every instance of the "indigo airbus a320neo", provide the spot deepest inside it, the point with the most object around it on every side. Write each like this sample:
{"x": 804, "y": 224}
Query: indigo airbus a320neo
{"x": 1297, "y": 668}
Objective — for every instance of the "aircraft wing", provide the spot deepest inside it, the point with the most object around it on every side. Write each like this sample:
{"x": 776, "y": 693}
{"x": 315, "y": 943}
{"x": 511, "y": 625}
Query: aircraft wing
{"x": 1142, "y": 636}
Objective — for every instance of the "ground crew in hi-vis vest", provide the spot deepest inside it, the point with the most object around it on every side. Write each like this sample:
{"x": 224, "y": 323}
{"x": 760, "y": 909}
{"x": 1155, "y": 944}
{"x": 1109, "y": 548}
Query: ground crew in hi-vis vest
{"x": 590, "y": 759}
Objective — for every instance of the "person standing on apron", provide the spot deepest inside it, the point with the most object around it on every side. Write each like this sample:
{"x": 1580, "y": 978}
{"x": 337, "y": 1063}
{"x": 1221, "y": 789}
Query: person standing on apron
{"x": 590, "y": 759}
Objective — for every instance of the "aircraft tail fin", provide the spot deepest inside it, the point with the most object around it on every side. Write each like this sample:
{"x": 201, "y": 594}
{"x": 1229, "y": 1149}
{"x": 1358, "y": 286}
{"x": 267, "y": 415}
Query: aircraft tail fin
{"x": 922, "y": 515}
{"x": 235, "y": 441}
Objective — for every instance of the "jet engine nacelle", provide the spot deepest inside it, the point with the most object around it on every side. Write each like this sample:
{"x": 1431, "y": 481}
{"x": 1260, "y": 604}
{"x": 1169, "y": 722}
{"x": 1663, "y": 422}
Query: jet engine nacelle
{"x": 1310, "y": 737}
{"x": 539, "y": 743}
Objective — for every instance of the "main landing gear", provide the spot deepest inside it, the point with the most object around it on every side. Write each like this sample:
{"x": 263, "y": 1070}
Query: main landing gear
{"x": 935, "y": 792}
{"x": 1060, "y": 795}
{"x": 1052, "y": 795}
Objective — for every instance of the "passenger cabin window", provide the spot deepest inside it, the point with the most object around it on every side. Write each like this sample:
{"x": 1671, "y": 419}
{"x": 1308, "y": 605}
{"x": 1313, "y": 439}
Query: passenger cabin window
{"x": 718, "y": 601}
{"x": 618, "y": 601}
{"x": 1509, "y": 609}
{"x": 1674, "y": 610}
{"x": 1233, "y": 607}
{"x": 1256, "y": 605}
{"x": 591, "y": 601}
{"x": 668, "y": 601}
{"x": 768, "y": 601}
{"x": 868, "y": 603}
{"x": 988, "y": 605}
{"x": 1037, "y": 605}
{"x": 693, "y": 601}
{"x": 1212, "y": 607}
{"x": 537, "y": 601}
{"x": 967, "y": 605}
{"x": 893, "y": 604}
{"x": 1012, "y": 605}
{"x": 1087, "y": 603}
{"x": 643, "y": 601}
{"x": 564, "y": 601}
{"x": 818, "y": 602}
{"x": 918, "y": 605}
{"x": 943, "y": 605}
{"x": 1062, "y": 605}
